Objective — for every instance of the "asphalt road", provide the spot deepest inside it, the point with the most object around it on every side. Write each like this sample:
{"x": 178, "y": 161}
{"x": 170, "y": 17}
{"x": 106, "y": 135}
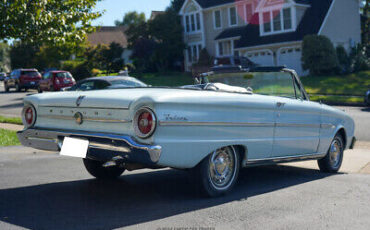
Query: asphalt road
{"x": 11, "y": 105}
{"x": 45, "y": 191}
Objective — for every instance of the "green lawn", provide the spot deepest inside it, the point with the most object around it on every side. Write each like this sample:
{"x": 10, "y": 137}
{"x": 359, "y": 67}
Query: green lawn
{"x": 352, "y": 85}
{"x": 8, "y": 138}
{"x": 11, "y": 120}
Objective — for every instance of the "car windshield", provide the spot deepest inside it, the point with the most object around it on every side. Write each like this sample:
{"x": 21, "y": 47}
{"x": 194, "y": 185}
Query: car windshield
{"x": 265, "y": 83}
{"x": 128, "y": 82}
{"x": 64, "y": 75}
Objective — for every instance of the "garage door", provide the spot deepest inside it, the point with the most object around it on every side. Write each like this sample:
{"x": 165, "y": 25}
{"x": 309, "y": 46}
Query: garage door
{"x": 261, "y": 57}
{"x": 291, "y": 57}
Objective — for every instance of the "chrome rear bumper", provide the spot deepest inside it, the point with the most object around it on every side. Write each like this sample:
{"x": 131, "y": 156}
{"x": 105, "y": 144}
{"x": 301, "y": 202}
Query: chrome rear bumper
{"x": 102, "y": 147}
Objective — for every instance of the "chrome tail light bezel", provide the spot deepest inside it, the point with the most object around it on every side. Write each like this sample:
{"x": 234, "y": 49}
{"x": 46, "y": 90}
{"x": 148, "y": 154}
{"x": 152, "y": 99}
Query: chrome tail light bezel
{"x": 34, "y": 118}
{"x": 138, "y": 133}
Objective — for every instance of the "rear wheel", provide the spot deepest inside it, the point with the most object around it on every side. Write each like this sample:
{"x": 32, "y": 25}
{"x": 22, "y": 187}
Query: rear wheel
{"x": 217, "y": 174}
{"x": 333, "y": 160}
{"x": 96, "y": 169}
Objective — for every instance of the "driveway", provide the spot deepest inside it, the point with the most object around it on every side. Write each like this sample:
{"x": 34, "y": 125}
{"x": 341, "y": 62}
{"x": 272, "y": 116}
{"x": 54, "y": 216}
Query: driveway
{"x": 39, "y": 190}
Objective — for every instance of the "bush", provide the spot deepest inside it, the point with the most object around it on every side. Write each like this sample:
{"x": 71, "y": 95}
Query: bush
{"x": 130, "y": 67}
{"x": 359, "y": 59}
{"x": 79, "y": 69}
{"x": 343, "y": 60}
{"x": 319, "y": 55}
{"x": 96, "y": 72}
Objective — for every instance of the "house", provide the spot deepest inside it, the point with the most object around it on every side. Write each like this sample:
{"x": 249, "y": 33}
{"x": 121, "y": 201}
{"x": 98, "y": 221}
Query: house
{"x": 268, "y": 32}
{"x": 108, "y": 34}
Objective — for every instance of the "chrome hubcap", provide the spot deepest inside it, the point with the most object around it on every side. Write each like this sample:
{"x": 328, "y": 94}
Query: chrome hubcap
{"x": 335, "y": 153}
{"x": 222, "y": 167}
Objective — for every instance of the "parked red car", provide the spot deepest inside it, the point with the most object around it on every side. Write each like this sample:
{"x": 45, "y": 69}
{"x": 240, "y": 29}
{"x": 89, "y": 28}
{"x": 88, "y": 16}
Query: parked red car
{"x": 55, "y": 81}
{"x": 22, "y": 79}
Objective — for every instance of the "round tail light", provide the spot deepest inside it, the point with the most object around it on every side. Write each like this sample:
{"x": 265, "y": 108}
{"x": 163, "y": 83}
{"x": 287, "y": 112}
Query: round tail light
{"x": 144, "y": 122}
{"x": 28, "y": 116}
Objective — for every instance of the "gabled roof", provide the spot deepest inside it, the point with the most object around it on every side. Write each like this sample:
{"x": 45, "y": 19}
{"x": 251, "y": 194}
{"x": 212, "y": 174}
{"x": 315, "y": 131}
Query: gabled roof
{"x": 212, "y": 3}
{"x": 310, "y": 24}
{"x": 108, "y": 34}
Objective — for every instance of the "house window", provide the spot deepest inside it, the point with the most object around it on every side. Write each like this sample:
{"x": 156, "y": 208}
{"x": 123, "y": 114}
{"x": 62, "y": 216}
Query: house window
{"x": 192, "y": 22}
{"x": 266, "y": 22}
{"x": 276, "y": 20}
{"x": 198, "y": 21}
{"x": 287, "y": 15}
{"x": 217, "y": 19}
{"x": 232, "y": 16}
{"x": 187, "y": 22}
{"x": 224, "y": 48}
{"x": 248, "y": 12}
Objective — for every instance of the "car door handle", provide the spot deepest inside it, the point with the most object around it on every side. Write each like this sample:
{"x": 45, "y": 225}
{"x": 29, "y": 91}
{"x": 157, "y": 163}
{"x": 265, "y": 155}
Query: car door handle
{"x": 280, "y": 104}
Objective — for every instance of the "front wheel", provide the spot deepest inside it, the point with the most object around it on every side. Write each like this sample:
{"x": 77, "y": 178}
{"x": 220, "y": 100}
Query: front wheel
{"x": 217, "y": 174}
{"x": 333, "y": 160}
{"x": 96, "y": 169}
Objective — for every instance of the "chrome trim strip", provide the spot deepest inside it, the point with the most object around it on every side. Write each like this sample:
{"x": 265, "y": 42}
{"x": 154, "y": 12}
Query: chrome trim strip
{"x": 104, "y": 120}
{"x": 191, "y": 123}
{"x": 298, "y": 125}
{"x": 276, "y": 160}
{"x": 247, "y": 124}
{"x": 327, "y": 126}
{"x": 81, "y": 107}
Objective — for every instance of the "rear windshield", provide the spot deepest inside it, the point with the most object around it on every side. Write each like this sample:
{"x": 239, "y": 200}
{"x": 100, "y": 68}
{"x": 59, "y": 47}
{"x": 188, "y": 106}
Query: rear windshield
{"x": 64, "y": 75}
{"x": 30, "y": 73}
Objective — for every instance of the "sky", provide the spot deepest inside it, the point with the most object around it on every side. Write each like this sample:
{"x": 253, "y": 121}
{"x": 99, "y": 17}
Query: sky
{"x": 116, "y": 9}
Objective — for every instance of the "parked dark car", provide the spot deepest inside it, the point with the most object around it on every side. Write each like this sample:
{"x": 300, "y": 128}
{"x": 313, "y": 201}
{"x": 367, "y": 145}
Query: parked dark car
{"x": 2, "y": 76}
{"x": 55, "y": 81}
{"x": 22, "y": 79}
{"x": 367, "y": 98}
{"x": 108, "y": 82}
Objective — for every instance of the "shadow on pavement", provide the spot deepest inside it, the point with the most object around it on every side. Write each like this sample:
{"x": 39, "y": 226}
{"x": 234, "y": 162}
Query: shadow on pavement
{"x": 134, "y": 199}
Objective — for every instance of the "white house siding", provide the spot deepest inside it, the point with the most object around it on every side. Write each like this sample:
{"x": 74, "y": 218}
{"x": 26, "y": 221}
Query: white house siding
{"x": 342, "y": 25}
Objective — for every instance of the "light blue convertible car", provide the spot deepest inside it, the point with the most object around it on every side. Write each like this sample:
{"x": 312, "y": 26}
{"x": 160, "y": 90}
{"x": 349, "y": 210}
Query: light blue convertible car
{"x": 231, "y": 118}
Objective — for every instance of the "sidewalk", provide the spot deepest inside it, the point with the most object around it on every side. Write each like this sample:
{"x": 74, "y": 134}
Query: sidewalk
{"x": 11, "y": 127}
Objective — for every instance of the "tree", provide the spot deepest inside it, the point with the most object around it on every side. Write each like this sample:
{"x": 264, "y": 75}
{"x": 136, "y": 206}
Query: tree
{"x": 113, "y": 58}
{"x": 319, "y": 55}
{"x": 176, "y": 5}
{"x": 170, "y": 45}
{"x": 47, "y": 21}
{"x": 131, "y": 18}
{"x": 4, "y": 57}
{"x": 22, "y": 55}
